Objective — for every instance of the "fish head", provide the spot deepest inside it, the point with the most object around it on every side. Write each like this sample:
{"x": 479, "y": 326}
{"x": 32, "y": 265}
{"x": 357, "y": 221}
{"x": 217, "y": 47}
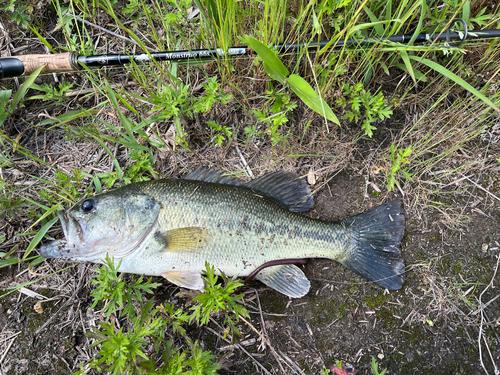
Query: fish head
{"x": 113, "y": 223}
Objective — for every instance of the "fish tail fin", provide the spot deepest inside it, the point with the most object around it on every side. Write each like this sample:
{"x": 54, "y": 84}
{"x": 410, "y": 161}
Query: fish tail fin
{"x": 374, "y": 253}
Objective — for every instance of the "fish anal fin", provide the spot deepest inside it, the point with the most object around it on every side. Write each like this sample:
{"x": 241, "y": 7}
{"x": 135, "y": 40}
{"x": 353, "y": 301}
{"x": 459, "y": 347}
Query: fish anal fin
{"x": 185, "y": 279}
{"x": 183, "y": 239}
{"x": 287, "y": 279}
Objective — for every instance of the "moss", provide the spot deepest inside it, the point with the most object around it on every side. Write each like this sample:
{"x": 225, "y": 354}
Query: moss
{"x": 434, "y": 239}
{"x": 376, "y": 300}
{"x": 457, "y": 268}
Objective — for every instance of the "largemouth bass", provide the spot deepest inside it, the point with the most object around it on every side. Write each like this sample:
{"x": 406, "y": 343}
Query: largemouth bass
{"x": 172, "y": 227}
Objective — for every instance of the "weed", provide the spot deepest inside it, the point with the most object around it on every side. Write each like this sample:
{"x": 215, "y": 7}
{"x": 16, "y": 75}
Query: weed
{"x": 219, "y": 132}
{"x": 217, "y": 298}
{"x": 123, "y": 350}
{"x": 119, "y": 294}
{"x": 141, "y": 163}
{"x": 375, "y": 370}
{"x": 18, "y": 10}
{"x": 170, "y": 102}
{"x": 276, "y": 116}
{"x": 51, "y": 92}
{"x": 364, "y": 105}
{"x": 398, "y": 158}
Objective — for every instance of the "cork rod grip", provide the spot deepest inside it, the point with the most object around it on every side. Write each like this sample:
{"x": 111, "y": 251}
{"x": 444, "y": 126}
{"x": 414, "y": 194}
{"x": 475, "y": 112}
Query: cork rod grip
{"x": 61, "y": 62}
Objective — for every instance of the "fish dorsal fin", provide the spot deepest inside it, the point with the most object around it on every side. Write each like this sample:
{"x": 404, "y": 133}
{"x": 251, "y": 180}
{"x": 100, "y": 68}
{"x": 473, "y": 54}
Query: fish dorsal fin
{"x": 211, "y": 175}
{"x": 286, "y": 187}
{"x": 288, "y": 279}
{"x": 185, "y": 279}
{"x": 183, "y": 239}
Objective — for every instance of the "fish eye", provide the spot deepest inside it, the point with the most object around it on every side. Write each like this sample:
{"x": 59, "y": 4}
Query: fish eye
{"x": 88, "y": 205}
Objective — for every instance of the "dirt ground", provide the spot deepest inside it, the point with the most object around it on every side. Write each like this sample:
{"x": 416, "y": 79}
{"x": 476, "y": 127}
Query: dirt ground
{"x": 431, "y": 326}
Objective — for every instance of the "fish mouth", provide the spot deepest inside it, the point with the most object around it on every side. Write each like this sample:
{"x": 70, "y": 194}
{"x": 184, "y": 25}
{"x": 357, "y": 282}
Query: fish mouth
{"x": 77, "y": 246}
{"x": 72, "y": 246}
{"x": 74, "y": 230}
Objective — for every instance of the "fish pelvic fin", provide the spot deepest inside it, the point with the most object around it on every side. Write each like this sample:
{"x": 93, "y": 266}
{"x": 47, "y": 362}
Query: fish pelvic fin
{"x": 287, "y": 279}
{"x": 183, "y": 239}
{"x": 376, "y": 237}
{"x": 185, "y": 279}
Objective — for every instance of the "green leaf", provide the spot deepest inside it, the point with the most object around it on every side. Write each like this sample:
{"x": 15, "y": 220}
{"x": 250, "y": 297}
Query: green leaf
{"x": 24, "y": 87}
{"x": 378, "y": 27}
{"x": 450, "y": 75}
{"x": 305, "y": 92}
{"x": 4, "y": 98}
{"x": 372, "y": 24}
{"x": 39, "y": 236}
{"x": 409, "y": 67}
{"x": 418, "y": 74}
{"x": 42, "y": 39}
{"x": 272, "y": 64}
{"x": 466, "y": 12}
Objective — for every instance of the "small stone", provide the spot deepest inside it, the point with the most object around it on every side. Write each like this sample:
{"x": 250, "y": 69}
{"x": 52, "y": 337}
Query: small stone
{"x": 485, "y": 247}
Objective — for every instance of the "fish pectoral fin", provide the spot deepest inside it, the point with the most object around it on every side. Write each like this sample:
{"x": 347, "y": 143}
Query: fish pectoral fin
{"x": 185, "y": 279}
{"x": 183, "y": 239}
{"x": 288, "y": 279}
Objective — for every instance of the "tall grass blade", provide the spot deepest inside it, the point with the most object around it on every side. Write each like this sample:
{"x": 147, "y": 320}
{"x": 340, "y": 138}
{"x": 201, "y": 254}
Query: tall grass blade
{"x": 452, "y": 76}
{"x": 272, "y": 64}
{"x": 39, "y": 236}
{"x": 408, "y": 65}
{"x": 305, "y": 92}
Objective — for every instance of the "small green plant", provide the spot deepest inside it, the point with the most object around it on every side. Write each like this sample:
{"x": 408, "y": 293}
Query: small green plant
{"x": 123, "y": 350}
{"x": 211, "y": 97}
{"x": 18, "y": 10}
{"x": 175, "y": 101}
{"x": 251, "y": 132}
{"x": 70, "y": 185}
{"x": 398, "y": 158}
{"x": 276, "y": 116}
{"x": 111, "y": 287}
{"x": 52, "y": 92}
{"x": 219, "y": 132}
{"x": 141, "y": 163}
{"x": 374, "y": 368}
{"x": 276, "y": 70}
{"x": 218, "y": 298}
{"x": 364, "y": 105}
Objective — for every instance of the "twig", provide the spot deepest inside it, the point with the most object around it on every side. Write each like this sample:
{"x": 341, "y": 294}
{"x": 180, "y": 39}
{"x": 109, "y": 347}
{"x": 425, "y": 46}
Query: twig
{"x": 77, "y": 289}
{"x": 107, "y": 31}
{"x": 11, "y": 336}
{"x": 238, "y": 346}
{"x": 483, "y": 319}
{"x": 265, "y": 339}
{"x": 7, "y": 350}
{"x": 482, "y": 188}
{"x": 261, "y": 319}
{"x": 292, "y": 363}
{"x": 249, "y": 171}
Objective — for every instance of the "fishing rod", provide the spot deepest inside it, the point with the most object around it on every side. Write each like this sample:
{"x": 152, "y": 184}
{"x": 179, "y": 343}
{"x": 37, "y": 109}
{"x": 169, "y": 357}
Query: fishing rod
{"x": 68, "y": 62}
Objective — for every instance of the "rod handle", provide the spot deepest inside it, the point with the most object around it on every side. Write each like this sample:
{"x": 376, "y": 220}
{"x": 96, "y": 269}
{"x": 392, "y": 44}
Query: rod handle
{"x": 24, "y": 65}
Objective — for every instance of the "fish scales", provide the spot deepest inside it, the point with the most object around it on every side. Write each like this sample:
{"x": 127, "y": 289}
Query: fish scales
{"x": 173, "y": 228}
{"x": 246, "y": 228}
